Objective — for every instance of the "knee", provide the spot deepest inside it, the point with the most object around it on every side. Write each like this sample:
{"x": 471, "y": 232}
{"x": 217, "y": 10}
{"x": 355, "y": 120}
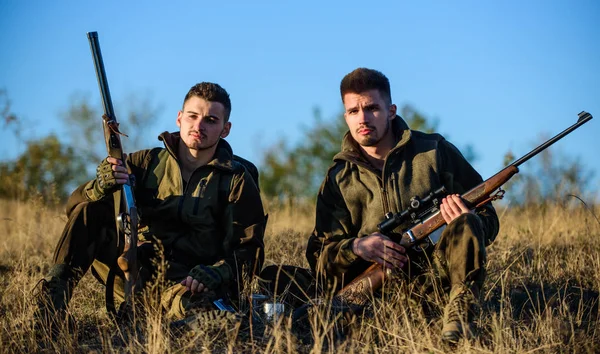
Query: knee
{"x": 279, "y": 278}
{"x": 77, "y": 209}
{"x": 270, "y": 276}
{"x": 270, "y": 273}
{"x": 466, "y": 223}
{"x": 465, "y": 227}
{"x": 99, "y": 210}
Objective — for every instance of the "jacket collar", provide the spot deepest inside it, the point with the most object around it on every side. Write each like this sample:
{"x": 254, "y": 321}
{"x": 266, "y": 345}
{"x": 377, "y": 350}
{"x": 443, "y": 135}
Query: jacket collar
{"x": 222, "y": 158}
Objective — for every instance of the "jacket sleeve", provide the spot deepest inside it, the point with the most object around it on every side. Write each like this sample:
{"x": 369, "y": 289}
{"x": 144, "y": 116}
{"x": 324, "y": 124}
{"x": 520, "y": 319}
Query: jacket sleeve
{"x": 83, "y": 192}
{"x": 245, "y": 223}
{"x": 329, "y": 250}
{"x": 459, "y": 176}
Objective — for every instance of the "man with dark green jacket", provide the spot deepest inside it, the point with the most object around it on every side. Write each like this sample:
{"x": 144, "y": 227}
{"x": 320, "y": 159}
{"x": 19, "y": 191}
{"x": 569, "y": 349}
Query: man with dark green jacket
{"x": 381, "y": 166}
{"x": 199, "y": 207}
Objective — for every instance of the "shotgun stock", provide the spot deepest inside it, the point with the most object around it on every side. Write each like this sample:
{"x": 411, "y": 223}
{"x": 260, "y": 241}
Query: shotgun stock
{"x": 126, "y": 215}
{"x": 361, "y": 288}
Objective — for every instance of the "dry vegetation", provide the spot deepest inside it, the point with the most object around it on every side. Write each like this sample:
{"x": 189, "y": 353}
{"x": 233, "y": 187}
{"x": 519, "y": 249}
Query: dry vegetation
{"x": 541, "y": 294}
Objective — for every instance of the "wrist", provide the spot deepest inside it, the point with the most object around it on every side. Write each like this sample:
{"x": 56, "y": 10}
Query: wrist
{"x": 354, "y": 246}
{"x": 346, "y": 252}
{"x": 93, "y": 192}
{"x": 225, "y": 272}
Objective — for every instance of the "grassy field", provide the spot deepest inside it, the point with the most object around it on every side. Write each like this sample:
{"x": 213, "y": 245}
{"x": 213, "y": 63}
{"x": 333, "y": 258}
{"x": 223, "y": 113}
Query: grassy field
{"x": 541, "y": 295}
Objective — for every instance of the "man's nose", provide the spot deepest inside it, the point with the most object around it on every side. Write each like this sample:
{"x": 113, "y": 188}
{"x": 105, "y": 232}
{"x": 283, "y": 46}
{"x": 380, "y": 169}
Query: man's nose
{"x": 363, "y": 117}
{"x": 200, "y": 124}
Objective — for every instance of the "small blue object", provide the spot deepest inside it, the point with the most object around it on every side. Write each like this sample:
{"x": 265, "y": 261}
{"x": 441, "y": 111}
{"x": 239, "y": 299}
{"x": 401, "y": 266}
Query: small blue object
{"x": 221, "y": 305}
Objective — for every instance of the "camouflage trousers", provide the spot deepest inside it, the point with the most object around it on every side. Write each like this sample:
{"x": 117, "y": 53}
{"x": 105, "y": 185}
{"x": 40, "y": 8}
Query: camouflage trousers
{"x": 458, "y": 258}
{"x": 89, "y": 241}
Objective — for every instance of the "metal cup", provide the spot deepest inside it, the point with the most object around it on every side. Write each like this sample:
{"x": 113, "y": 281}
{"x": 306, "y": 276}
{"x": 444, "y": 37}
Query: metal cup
{"x": 273, "y": 310}
{"x": 258, "y": 301}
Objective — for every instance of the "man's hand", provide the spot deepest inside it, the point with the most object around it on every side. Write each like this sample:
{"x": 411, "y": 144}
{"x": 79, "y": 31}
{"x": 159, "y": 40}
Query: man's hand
{"x": 204, "y": 278}
{"x": 452, "y": 206}
{"x": 193, "y": 285}
{"x": 380, "y": 249}
{"x": 109, "y": 175}
{"x": 111, "y": 172}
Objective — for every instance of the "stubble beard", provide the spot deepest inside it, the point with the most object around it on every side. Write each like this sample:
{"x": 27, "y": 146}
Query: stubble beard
{"x": 197, "y": 145}
{"x": 371, "y": 140}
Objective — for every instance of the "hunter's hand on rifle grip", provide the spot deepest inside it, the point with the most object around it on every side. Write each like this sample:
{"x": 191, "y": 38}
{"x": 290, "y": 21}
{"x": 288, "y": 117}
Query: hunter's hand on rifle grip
{"x": 110, "y": 174}
{"x": 452, "y": 207}
{"x": 380, "y": 249}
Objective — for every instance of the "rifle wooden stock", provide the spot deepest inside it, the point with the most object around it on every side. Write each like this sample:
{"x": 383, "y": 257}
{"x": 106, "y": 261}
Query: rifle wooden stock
{"x": 361, "y": 288}
{"x": 126, "y": 215}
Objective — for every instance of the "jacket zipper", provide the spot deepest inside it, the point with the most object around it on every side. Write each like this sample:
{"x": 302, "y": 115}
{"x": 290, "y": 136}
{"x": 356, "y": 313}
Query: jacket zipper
{"x": 384, "y": 193}
{"x": 200, "y": 196}
{"x": 396, "y": 188}
{"x": 185, "y": 193}
{"x": 384, "y": 200}
{"x": 381, "y": 179}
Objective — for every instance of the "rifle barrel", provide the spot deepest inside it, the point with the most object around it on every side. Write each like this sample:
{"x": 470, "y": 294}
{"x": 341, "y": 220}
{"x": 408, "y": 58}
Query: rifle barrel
{"x": 101, "y": 74}
{"x": 583, "y": 118}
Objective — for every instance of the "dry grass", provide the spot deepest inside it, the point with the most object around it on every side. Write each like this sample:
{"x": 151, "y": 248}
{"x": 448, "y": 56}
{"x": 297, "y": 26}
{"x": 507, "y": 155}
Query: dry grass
{"x": 541, "y": 294}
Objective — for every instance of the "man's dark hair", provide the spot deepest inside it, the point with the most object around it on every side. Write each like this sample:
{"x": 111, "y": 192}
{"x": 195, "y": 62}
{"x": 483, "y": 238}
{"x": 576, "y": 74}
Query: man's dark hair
{"x": 211, "y": 92}
{"x": 362, "y": 79}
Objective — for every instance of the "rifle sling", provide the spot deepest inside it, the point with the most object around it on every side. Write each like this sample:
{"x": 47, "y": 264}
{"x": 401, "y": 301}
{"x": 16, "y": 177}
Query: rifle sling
{"x": 110, "y": 294}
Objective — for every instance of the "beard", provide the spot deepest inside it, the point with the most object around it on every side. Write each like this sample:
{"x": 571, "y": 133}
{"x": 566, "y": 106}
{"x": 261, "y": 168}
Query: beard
{"x": 373, "y": 139}
{"x": 202, "y": 144}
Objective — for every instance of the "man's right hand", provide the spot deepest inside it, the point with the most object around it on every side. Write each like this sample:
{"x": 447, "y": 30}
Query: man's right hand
{"x": 380, "y": 249}
{"x": 109, "y": 175}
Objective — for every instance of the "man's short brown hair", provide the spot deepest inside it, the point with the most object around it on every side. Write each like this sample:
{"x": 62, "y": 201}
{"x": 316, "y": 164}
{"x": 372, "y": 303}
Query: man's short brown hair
{"x": 211, "y": 92}
{"x": 362, "y": 79}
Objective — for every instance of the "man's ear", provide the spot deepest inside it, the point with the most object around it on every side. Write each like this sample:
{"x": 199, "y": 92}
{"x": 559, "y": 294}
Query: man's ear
{"x": 179, "y": 115}
{"x": 226, "y": 130}
{"x": 393, "y": 110}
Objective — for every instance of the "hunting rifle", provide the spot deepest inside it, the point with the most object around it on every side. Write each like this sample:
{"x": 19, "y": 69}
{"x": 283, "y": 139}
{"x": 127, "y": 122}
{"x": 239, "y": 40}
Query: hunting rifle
{"x": 126, "y": 215}
{"x": 425, "y": 222}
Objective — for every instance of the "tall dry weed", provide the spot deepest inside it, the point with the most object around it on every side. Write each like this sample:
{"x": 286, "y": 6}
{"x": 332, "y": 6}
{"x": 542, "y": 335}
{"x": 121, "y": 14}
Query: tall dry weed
{"x": 541, "y": 294}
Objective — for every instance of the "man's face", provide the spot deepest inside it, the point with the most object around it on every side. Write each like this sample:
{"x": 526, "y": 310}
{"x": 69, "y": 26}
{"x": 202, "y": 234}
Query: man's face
{"x": 201, "y": 123}
{"x": 368, "y": 116}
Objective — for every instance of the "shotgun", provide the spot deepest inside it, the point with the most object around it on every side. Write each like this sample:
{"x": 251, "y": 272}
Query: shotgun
{"x": 126, "y": 215}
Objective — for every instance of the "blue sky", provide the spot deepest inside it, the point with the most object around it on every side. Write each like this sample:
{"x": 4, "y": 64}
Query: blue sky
{"x": 497, "y": 74}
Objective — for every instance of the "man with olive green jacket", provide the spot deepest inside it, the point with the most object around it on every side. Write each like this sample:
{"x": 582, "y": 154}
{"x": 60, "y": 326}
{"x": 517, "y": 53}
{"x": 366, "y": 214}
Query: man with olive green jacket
{"x": 381, "y": 166}
{"x": 199, "y": 206}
